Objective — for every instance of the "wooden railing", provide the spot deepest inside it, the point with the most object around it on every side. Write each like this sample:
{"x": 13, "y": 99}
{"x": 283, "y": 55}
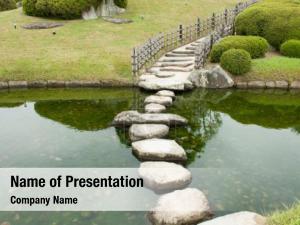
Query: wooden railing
{"x": 217, "y": 25}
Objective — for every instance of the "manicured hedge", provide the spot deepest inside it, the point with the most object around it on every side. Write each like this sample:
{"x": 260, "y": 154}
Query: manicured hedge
{"x": 7, "y": 5}
{"x": 291, "y": 48}
{"x": 236, "y": 61}
{"x": 277, "y": 21}
{"x": 256, "y": 46}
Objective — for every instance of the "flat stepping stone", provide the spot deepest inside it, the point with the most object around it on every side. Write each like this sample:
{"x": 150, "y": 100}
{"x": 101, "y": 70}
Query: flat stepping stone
{"x": 162, "y": 100}
{"x": 241, "y": 218}
{"x": 176, "y": 64}
{"x": 191, "y": 48}
{"x": 163, "y": 83}
{"x": 166, "y": 93}
{"x": 176, "y": 69}
{"x": 183, "y": 52}
{"x": 155, "y": 108}
{"x": 139, "y": 132}
{"x": 164, "y": 176}
{"x": 179, "y": 55}
{"x": 127, "y": 118}
{"x": 188, "y": 206}
{"x": 159, "y": 150}
{"x": 177, "y": 60}
{"x": 164, "y": 74}
{"x": 144, "y": 77}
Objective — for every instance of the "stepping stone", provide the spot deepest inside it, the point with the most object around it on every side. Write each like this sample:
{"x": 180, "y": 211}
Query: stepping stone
{"x": 179, "y": 55}
{"x": 177, "y": 60}
{"x": 176, "y": 69}
{"x": 183, "y": 52}
{"x": 146, "y": 77}
{"x": 162, "y": 100}
{"x": 139, "y": 132}
{"x": 188, "y": 206}
{"x": 154, "y": 108}
{"x": 127, "y": 118}
{"x": 166, "y": 93}
{"x": 166, "y": 84}
{"x": 164, "y": 176}
{"x": 165, "y": 74}
{"x": 159, "y": 150}
{"x": 191, "y": 48}
{"x": 241, "y": 218}
{"x": 177, "y": 64}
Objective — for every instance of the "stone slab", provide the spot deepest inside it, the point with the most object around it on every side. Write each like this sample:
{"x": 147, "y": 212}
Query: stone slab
{"x": 188, "y": 206}
{"x": 256, "y": 84}
{"x": 166, "y": 93}
{"x": 295, "y": 84}
{"x": 159, "y": 150}
{"x": 127, "y": 118}
{"x": 17, "y": 84}
{"x": 162, "y": 100}
{"x": 139, "y": 132}
{"x": 164, "y": 176}
{"x": 154, "y": 108}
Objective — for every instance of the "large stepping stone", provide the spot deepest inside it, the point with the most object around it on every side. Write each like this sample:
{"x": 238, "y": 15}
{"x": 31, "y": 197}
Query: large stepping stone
{"x": 164, "y": 176}
{"x": 155, "y": 108}
{"x": 127, "y": 118}
{"x": 188, "y": 206}
{"x": 139, "y": 132}
{"x": 165, "y": 74}
{"x": 177, "y": 60}
{"x": 184, "y": 52}
{"x": 163, "y": 83}
{"x": 241, "y": 218}
{"x": 179, "y": 55}
{"x": 159, "y": 150}
{"x": 166, "y": 93}
{"x": 162, "y": 100}
{"x": 176, "y": 69}
{"x": 177, "y": 64}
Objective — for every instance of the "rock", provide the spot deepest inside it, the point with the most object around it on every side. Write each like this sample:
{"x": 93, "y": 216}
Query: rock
{"x": 162, "y": 83}
{"x": 44, "y": 25}
{"x": 281, "y": 84}
{"x": 166, "y": 93}
{"x": 37, "y": 84}
{"x": 176, "y": 69}
{"x": 256, "y": 84}
{"x": 214, "y": 78}
{"x": 154, "y": 108}
{"x": 3, "y": 85}
{"x": 117, "y": 20}
{"x": 164, "y": 176}
{"x": 139, "y": 132}
{"x": 270, "y": 84}
{"x": 295, "y": 84}
{"x": 159, "y": 150}
{"x": 73, "y": 84}
{"x": 164, "y": 74}
{"x": 17, "y": 84}
{"x": 241, "y": 84}
{"x": 241, "y": 218}
{"x": 146, "y": 77}
{"x": 56, "y": 84}
{"x": 92, "y": 83}
{"x": 128, "y": 118}
{"x": 162, "y": 100}
{"x": 188, "y": 206}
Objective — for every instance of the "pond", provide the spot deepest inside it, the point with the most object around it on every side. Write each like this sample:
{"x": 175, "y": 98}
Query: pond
{"x": 243, "y": 146}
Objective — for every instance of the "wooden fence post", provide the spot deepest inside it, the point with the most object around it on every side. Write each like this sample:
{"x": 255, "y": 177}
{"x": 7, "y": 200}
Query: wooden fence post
{"x": 134, "y": 64}
{"x": 211, "y": 40}
{"x": 226, "y": 16}
{"x": 198, "y": 58}
{"x": 236, "y": 10}
{"x": 213, "y": 21}
{"x": 180, "y": 33}
{"x": 198, "y": 27}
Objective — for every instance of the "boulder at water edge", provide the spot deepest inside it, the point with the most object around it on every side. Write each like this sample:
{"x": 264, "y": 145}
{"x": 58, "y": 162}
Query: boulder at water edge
{"x": 127, "y": 118}
{"x": 188, "y": 206}
{"x": 241, "y": 218}
{"x": 139, "y": 132}
{"x": 164, "y": 176}
{"x": 213, "y": 78}
{"x": 159, "y": 150}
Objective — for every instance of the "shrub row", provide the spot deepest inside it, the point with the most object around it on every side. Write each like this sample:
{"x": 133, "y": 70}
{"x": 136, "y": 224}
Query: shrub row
{"x": 7, "y": 5}
{"x": 256, "y": 46}
{"x": 277, "y": 21}
{"x": 236, "y": 61}
{"x": 65, "y": 9}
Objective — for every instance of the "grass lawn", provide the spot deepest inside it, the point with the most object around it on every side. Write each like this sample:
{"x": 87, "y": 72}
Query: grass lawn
{"x": 90, "y": 50}
{"x": 274, "y": 68}
{"x": 289, "y": 217}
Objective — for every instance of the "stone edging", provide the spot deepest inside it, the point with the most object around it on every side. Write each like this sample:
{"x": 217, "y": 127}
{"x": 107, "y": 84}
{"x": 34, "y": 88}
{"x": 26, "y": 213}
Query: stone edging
{"x": 278, "y": 84}
{"x": 62, "y": 84}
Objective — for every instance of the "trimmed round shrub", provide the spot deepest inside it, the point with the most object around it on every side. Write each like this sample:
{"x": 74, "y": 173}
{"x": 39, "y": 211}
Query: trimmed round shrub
{"x": 7, "y": 5}
{"x": 256, "y": 46}
{"x": 276, "y": 21}
{"x": 236, "y": 61}
{"x": 65, "y": 9}
{"x": 291, "y": 48}
{"x": 121, "y": 3}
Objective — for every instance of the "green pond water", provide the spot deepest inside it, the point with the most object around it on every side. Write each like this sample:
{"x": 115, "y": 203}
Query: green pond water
{"x": 244, "y": 144}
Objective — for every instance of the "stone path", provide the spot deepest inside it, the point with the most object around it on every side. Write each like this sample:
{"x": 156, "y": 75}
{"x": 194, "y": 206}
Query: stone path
{"x": 147, "y": 130}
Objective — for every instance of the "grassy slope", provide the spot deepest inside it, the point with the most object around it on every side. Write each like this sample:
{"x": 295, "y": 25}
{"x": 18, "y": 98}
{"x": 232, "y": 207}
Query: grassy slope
{"x": 275, "y": 68}
{"x": 90, "y": 49}
{"x": 289, "y": 217}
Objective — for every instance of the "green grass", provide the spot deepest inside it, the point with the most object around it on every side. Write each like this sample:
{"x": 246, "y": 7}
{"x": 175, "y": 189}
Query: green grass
{"x": 289, "y": 217}
{"x": 90, "y": 50}
{"x": 274, "y": 68}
